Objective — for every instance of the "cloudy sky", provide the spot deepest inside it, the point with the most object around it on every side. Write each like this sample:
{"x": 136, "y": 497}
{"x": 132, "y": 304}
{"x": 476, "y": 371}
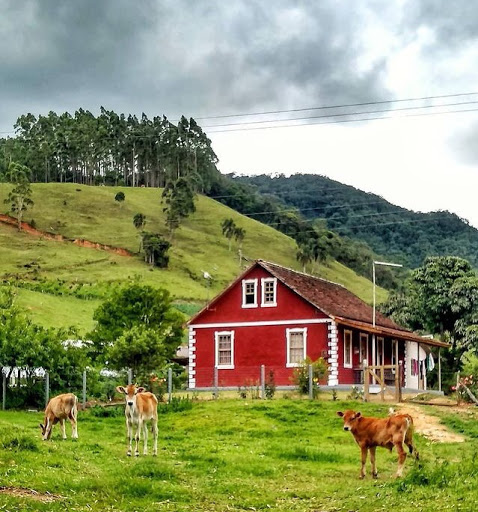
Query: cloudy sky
{"x": 208, "y": 58}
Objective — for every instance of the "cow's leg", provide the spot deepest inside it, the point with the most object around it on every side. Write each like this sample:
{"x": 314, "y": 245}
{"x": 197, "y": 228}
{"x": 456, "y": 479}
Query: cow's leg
{"x": 48, "y": 428}
{"x": 137, "y": 438}
{"x": 129, "y": 428}
{"x": 409, "y": 443}
{"x": 145, "y": 443}
{"x": 155, "y": 436}
{"x": 401, "y": 458}
{"x": 364, "y": 460}
{"x": 372, "y": 460}
{"x": 62, "y": 426}
{"x": 74, "y": 424}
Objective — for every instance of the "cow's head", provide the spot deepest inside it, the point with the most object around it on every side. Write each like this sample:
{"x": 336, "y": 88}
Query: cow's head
{"x": 349, "y": 417}
{"x": 130, "y": 392}
{"x": 45, "y": 430}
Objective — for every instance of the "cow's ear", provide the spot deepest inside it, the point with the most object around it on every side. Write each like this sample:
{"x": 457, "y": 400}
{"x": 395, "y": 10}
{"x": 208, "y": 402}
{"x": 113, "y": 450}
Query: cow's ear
{"x": 340, "y": 413}
{"x": 358, "y": 414}
{"x": 121, "y": 389}
{"x": 140, "y": 390}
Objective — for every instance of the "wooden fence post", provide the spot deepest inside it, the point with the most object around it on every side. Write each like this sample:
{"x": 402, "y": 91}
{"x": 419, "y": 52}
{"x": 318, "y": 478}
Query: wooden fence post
{"x": 84, "y": 389}
{"x": 170, "y": 384}
{"x": 400, "y": 365}
{"x": 382, "y": 382}
{"x": 4, "y": 391}
{"x": 263, "y": 381}
{"x": 216, "y": 391}
{"x": 47, "y": 388}
{"x": 366, "y": 379}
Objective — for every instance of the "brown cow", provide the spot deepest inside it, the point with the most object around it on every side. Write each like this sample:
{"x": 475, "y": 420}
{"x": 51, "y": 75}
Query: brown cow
{"x": 59, "y": 409}
{"x": 388, "y": 432}
{"x": 140, "y": 407}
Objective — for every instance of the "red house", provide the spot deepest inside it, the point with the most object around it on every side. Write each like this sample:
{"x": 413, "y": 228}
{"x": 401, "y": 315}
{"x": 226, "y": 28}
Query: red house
{"x": 275, "y": 316}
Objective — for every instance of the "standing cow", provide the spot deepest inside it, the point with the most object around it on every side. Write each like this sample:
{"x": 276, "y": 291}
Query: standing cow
{"x": 59, "y": 409}
{"x": 141, "y": 407}
{"x": 387, "y": 432}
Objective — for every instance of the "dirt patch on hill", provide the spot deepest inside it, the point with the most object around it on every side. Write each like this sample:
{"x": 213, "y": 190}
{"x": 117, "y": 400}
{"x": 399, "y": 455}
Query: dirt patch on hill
{"x": 429, "y": 426}
{"x": 21, "y": 492}
{"x": 10, "y": 221}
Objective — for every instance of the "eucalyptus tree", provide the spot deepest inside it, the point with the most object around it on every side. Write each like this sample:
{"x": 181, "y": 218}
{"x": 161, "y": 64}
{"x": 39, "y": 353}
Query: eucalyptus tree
{"x": 19, "y": 197}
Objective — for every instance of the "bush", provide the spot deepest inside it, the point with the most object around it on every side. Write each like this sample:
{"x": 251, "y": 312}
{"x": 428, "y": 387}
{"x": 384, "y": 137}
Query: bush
{"x": 270, "y": 385}
{"x": 300, "y": 376}
{"x": 107, "y": 412}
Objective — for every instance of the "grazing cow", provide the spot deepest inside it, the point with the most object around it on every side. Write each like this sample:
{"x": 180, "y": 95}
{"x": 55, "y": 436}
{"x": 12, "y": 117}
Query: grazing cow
{"x": 140, "y": 407}
{"x": 388, "y": 432}
{"x": 59, "y": 409}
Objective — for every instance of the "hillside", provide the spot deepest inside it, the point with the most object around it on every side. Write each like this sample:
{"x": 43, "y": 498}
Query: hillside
{"x": 91, "y": 213}
{"x": 402, "y": 235}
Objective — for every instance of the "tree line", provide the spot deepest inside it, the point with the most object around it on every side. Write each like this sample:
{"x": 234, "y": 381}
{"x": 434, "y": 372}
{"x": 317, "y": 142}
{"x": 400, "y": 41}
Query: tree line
{"x": 111, "y": 149}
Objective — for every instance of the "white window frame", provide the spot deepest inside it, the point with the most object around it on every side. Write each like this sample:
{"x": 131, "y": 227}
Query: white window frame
{"x": 350, "y": 364}
{"x": 216, "y": 350}
{"x": 363, "y": 338}
{"x": 265, "y": 280}
{"x": 244, "y": 283}
{"x": 288, "y": 333}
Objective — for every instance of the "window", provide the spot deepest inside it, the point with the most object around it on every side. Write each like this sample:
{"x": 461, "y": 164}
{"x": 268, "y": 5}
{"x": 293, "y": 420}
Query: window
{"x": 347, "y": 349}
{"x": 363, "y": 353}
{"x": 296, "y": 346}
{"x": 269, "y": 290}
{"x": 249, "y": 293}
{"x": 225, "y": 349}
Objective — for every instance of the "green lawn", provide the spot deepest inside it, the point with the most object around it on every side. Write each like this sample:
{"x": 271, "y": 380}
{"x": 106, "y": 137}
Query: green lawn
{"x": 283, "y": 455}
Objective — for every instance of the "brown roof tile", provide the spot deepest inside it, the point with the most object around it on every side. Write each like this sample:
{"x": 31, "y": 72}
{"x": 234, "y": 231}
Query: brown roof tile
{"x": 332, "y": 298}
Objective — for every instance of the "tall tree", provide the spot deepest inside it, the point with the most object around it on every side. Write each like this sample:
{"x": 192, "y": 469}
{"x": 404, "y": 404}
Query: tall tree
{"x": 19, "y": 198}
{"x": 178, "y": 197}
{"x": 139, "y": 222}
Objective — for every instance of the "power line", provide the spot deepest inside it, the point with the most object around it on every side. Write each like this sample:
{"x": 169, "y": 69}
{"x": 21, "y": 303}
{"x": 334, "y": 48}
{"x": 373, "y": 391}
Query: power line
{"x": 342, "y": 114}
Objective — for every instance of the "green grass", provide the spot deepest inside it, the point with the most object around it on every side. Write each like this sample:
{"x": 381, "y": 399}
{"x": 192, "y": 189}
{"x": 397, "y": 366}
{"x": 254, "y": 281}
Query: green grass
{"x": 78, "y": 211}
{"x": 278, "y": 455}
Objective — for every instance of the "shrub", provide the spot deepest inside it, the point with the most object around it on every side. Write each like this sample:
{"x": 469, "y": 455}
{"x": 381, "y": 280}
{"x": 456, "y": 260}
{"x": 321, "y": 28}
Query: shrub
{"x": 270, "y": 385}
{"x": 300, "y": 376}
{"x": 355, "y": 394}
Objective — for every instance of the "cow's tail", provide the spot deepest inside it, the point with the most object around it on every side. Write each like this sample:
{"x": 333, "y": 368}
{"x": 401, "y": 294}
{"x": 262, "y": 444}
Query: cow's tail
{"x": 74, "y": 407}
{"x": 409, "y": 436}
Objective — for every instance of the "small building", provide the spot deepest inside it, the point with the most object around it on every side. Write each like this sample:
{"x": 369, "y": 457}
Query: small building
{"x": 275, "y": 316}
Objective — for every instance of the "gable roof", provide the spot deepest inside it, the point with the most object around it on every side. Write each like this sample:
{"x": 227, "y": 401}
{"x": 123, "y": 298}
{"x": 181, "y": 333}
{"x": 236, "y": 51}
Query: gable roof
{"x": 333, "y": 299}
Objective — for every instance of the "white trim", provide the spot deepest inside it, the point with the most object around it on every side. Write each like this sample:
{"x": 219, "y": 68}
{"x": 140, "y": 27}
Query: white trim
{"x": 192, "y": 358}
{"x": 287, "y": 335}
{"x": 348, "y": 365}
{"x": 265, "y": 280}
{"x": 216, "y": 350}
{"x": 263, "y": 323}
{"x": 244, "y": 282}
{"x": 333, "y": 378}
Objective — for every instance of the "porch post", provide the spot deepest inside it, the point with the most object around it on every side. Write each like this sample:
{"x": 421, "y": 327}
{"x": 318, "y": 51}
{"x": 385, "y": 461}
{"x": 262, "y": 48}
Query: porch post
{"x": 419, "y": 365}
{"x": 439, "y": 369}
{"x": 374, "y": 355}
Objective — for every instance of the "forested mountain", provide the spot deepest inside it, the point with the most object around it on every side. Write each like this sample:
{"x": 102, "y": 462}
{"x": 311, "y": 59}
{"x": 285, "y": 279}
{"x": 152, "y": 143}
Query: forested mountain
{"x": 403, "y": 235}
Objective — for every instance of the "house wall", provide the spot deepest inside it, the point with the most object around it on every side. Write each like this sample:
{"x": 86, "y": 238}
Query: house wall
{"x": 414, "y": 351}
{"x": 254, "y": 346}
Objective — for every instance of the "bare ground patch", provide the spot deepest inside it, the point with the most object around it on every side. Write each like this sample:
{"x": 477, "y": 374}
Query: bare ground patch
{"x": 429, "y": 426}
{"x": 21, "y": 492}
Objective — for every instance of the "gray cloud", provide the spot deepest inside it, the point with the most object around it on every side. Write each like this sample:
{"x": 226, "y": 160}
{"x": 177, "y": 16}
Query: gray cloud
{"x": 196, "y": 57}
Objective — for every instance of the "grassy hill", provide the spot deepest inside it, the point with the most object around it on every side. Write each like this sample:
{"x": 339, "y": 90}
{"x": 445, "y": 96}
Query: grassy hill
{"x": 91, "y": 213}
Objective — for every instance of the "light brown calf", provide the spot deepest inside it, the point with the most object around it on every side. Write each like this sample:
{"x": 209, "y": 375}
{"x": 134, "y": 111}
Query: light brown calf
{"x": 387, "y": 432}
{"x": 59, "y": 409}
{"x": 141, "y": 407}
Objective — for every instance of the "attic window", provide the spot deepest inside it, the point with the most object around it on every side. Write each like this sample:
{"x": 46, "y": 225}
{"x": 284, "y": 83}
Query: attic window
{"x": 249, "y": 293}
{"x": 269, "y": 291}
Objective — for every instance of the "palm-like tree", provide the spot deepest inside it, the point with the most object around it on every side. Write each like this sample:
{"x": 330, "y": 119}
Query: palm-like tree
{"x": 139, "y": 222}
{"x": 228, "y": 229}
